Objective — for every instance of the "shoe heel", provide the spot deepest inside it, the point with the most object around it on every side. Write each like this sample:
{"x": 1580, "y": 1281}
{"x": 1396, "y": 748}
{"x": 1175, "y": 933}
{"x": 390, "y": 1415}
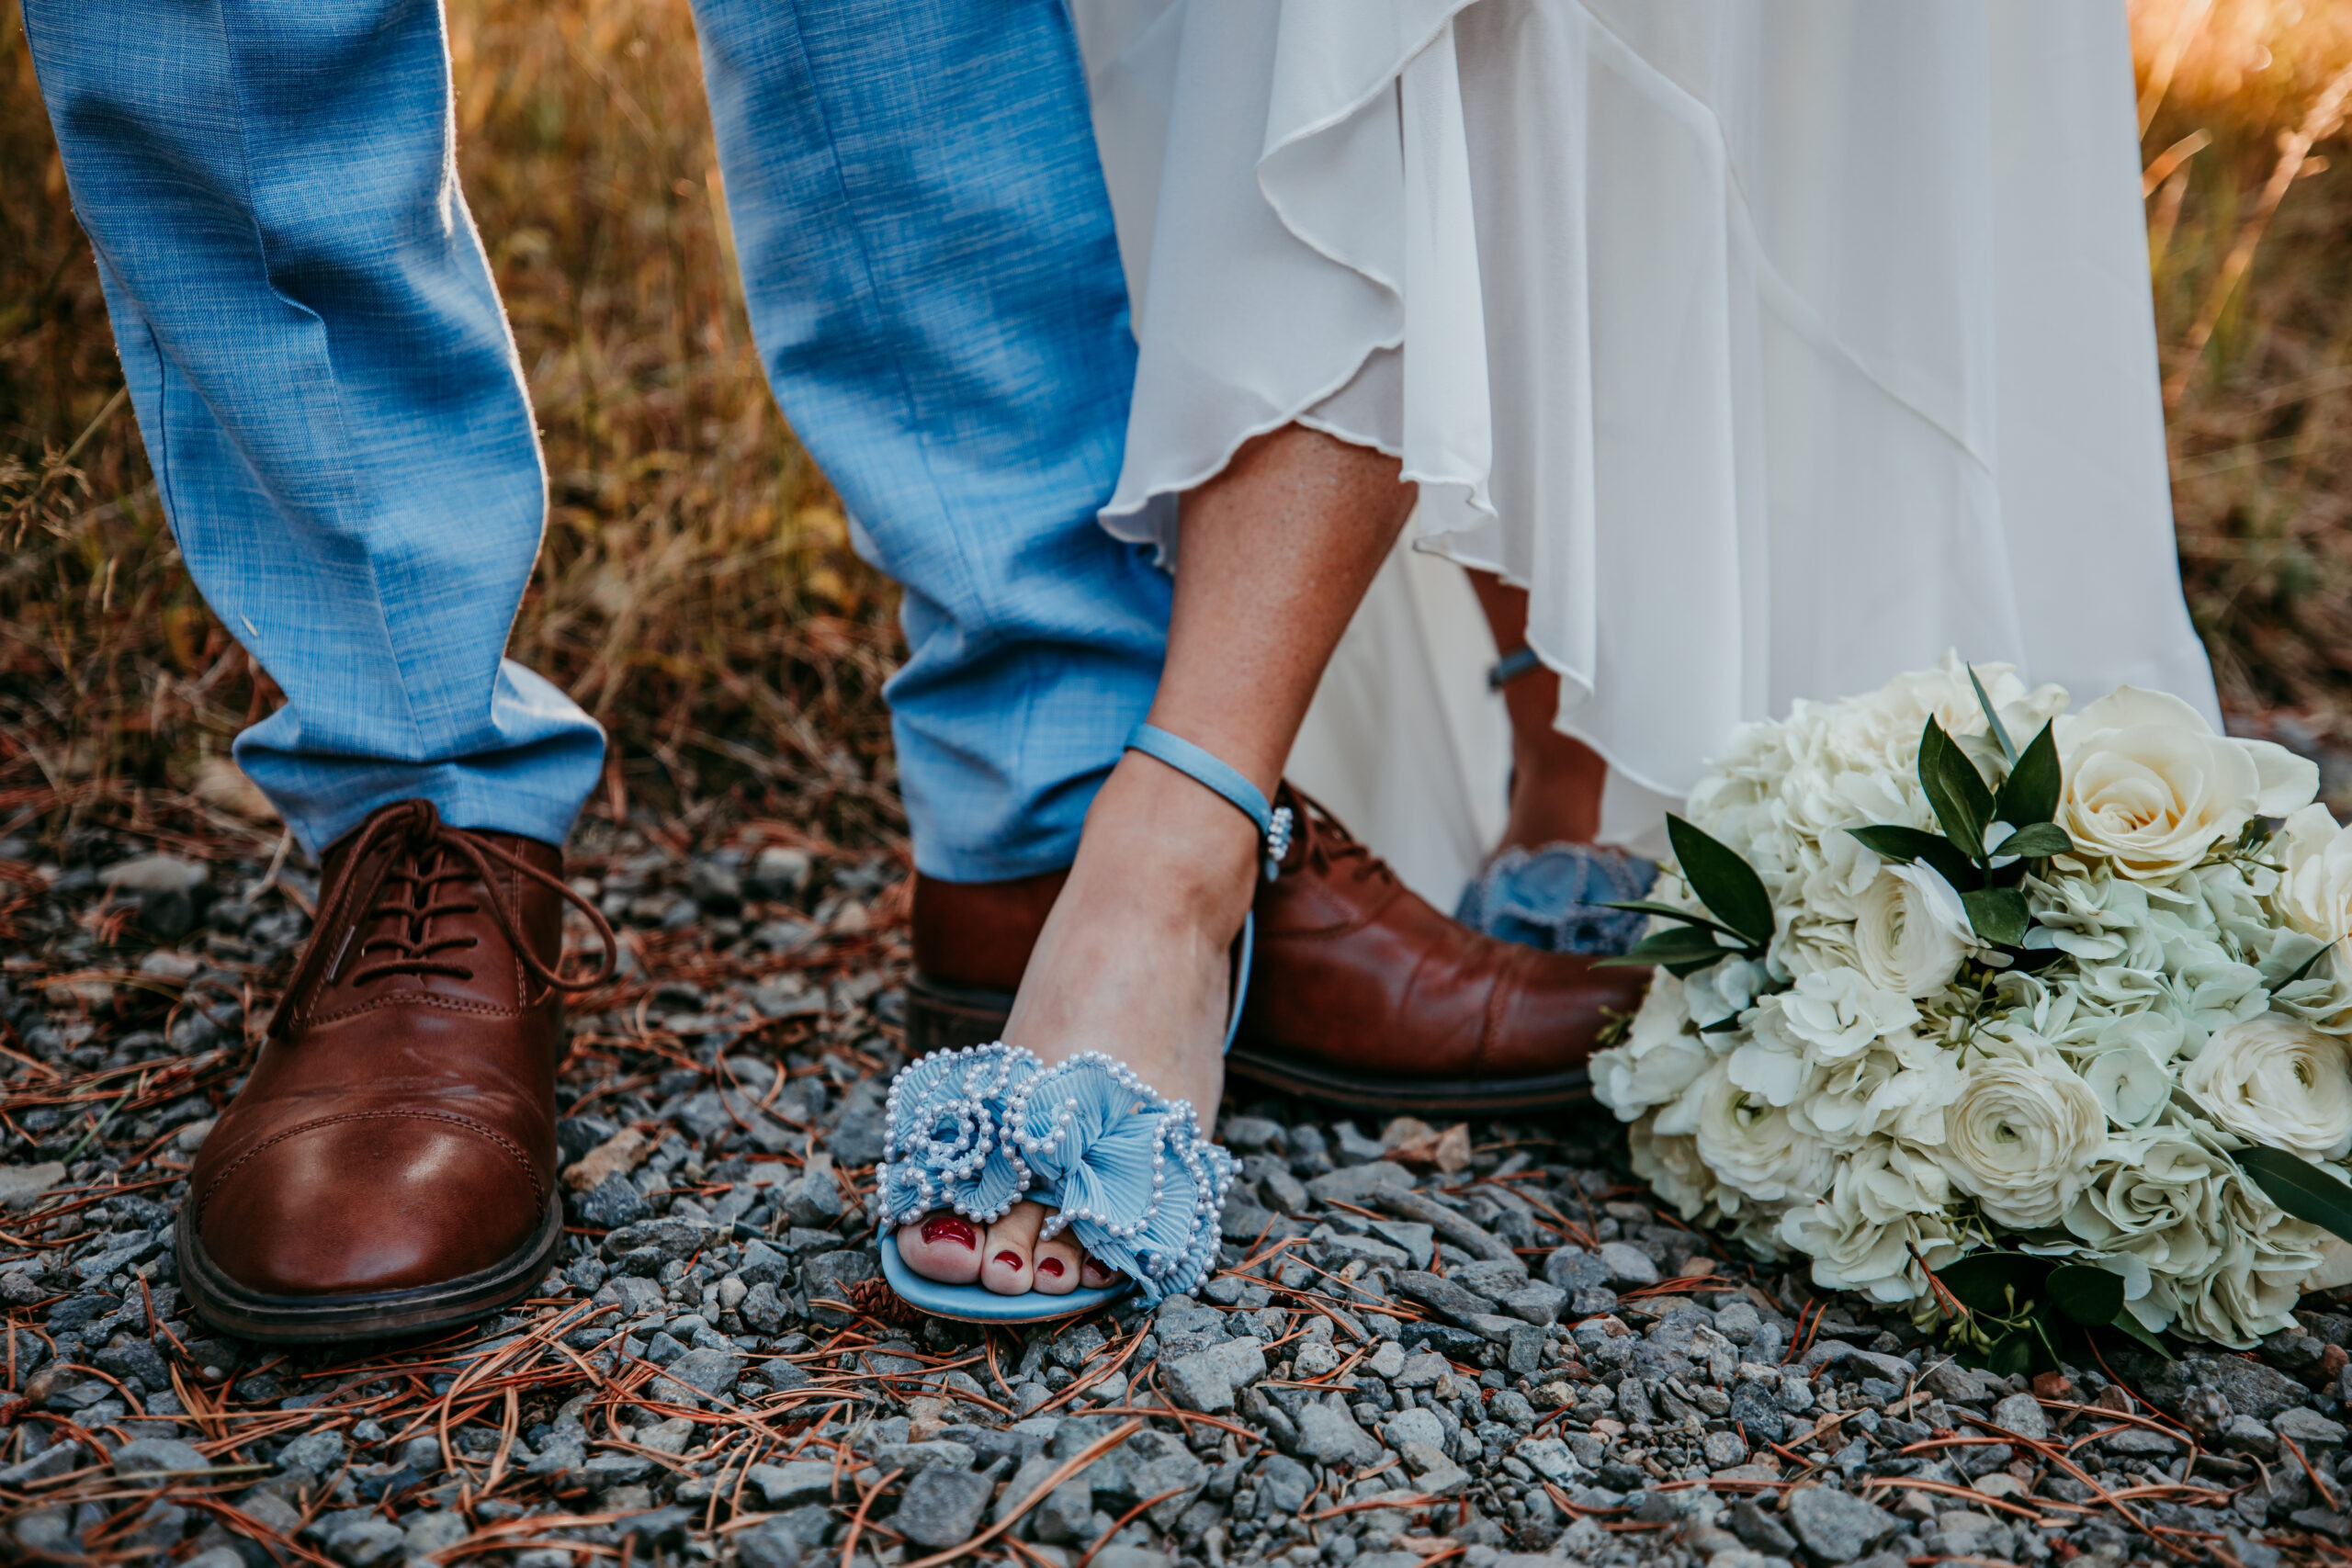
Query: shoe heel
{"x": 941, "y": 1017}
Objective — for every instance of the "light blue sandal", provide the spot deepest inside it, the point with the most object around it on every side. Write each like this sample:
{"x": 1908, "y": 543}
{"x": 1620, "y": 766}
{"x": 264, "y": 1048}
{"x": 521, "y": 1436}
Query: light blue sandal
{"x": 1132, "y": 1176}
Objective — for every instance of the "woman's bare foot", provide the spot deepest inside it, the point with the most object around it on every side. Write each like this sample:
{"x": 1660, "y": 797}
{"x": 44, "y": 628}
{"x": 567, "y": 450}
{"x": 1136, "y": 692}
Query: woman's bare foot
{"x": 1135, "y": 962}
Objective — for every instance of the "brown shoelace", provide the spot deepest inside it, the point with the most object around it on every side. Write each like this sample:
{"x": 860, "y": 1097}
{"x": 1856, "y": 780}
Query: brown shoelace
{"x": 402, "y": 893}
{"x": 1331, "y": 846}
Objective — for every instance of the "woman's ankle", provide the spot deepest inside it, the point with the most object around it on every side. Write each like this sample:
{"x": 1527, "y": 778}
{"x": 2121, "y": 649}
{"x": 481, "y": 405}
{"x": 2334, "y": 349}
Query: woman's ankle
{"x": 1556, "y": 784}
{"x": 1153, "y": 830}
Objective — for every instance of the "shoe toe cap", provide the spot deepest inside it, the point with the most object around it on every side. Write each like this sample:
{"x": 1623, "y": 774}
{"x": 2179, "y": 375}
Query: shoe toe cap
{"x": 370, "y": 1202}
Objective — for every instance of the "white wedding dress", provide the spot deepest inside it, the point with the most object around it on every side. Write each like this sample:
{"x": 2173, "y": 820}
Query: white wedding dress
{"x": 1774, "y": 345}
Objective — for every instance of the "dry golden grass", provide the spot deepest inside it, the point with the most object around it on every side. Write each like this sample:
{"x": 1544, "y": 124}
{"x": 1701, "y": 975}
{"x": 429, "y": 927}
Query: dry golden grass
{"x": 697, "y": 591}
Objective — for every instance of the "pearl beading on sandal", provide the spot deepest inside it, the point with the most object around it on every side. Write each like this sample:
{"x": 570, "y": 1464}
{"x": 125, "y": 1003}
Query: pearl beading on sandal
{"x": 1128, "y": 1173}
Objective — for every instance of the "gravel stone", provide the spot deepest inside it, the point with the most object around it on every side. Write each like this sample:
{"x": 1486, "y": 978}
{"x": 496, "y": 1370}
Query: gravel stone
{"x": 1629, "y": 1267}
{"x": 1835, "y": 1527}
{"x": 1208, "y": 1380}
{"x": 942, "y": 1506}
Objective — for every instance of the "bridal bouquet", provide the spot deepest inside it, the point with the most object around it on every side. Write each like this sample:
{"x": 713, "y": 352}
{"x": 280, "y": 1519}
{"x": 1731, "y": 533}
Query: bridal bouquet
{"x": 2031, "y": 1034}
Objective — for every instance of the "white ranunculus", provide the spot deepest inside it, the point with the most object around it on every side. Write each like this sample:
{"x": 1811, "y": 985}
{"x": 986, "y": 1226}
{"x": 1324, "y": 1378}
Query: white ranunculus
{"x": 2021, "y": 1134}
{"x": 2315, "y": 893}
{"x": 1885, "y": 1202}
{"x": 2151, "y": 787}
{"x": 2277, "y": 1082}
{"x": 1663, "y": 1054}
{"x": 1673, "y": 1166}
{"x": 1910, "y": 932}
{"x": 1750, "y": 1144}
{"x": 2132, "y": 1086}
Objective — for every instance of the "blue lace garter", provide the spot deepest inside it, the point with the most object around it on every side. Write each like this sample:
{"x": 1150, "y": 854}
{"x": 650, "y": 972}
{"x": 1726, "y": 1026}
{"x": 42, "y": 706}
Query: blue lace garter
{"x": 1129, "y": 1174}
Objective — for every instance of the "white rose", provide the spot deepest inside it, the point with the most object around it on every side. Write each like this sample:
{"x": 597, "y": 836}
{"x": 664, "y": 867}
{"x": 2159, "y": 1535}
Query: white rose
{"x": 2150, "y": 787}
{"x": 2314, "y": 894}
{"x": 1910, "y": 932}
{"x": 1752, "y": 1148}
{"x": 1886, "y": 1209}
{"x": 2277, "y": 1082}
{"x": 1663, "y": 1054}
{"x": 2021, "y": 1134}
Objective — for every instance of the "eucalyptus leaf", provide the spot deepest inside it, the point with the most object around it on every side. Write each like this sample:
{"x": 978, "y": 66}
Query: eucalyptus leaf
{"x": 1999, "y": 915}
{"x": 2085, "y": 1292}
{"x": 1993, "y": 720}
{"x": 1955, "y": 789}
{"x": 2300, "y": 1188}
{"x": 2036, "y": 840}
{"x": 2031, "y": 792}
{"x": 1727, "y": 884}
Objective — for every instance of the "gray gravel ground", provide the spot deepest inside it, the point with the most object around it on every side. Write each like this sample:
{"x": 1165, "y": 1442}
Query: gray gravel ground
{"x": 1426, "y": 1344}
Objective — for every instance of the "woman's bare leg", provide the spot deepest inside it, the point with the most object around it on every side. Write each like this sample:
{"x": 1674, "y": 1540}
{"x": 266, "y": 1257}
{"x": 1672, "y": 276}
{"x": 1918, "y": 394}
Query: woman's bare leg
{"x": 1555, "y": 780}
{"x": 1275, "y": 554}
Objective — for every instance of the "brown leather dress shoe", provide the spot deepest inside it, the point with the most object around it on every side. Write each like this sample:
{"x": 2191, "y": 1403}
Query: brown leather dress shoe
{"x": 389, "y": 1167}
{"x": 1362, "y": 992}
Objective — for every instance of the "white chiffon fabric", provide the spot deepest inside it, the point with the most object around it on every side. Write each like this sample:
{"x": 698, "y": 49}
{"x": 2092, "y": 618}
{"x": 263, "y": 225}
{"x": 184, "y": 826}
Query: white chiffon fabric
{"x": 1775, "y": 346}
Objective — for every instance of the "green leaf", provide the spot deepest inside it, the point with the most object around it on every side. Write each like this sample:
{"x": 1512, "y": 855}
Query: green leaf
{"x": 1956, "y": 790}
{"x": 1727, "y": 884}
{"x": 1993, "y": 720}
{"x": 2125, "y": 1323}
{"x": 2085, "y": 1292}
{"x": 1983, "y": 1280}
{"x": 1999, "y": 915}
{"x": 2305, "y": 967}
{"x": 1682, "y": 952}
{"x": 1667, "y": 911}
{"x": 2300, "y": 1188}
{"x": 2012, "y": 1354}
{"x": 2030, "y": 793}
{"x": 1908, "y": 844}
{"x": 2037, "y": 840}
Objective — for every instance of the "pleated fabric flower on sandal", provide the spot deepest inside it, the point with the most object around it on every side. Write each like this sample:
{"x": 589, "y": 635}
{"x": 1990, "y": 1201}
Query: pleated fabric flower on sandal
{"x": 1130, "y": 1174}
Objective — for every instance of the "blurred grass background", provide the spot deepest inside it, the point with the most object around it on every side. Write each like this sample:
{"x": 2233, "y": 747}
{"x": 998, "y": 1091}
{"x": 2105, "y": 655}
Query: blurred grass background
{"x": 697, "y": 591}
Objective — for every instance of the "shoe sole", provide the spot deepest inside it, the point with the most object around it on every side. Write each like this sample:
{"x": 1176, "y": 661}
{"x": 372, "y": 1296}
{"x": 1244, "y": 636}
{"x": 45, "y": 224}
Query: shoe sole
{"x": 377, "y": 1314}
{"x": 945, "y": 1018}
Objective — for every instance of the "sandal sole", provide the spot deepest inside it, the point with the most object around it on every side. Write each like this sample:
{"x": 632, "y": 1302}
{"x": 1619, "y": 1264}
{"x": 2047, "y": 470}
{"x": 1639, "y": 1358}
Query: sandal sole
{"x": 944, "y": 1017}
{"x": 377, "y": 1314}
{"x": 970, "y": 1303}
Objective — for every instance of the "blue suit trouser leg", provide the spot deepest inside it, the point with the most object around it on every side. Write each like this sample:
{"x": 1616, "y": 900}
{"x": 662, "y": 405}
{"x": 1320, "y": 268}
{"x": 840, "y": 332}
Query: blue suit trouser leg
{"x": 934, "y": 278}
{"x": 337, "y": 422}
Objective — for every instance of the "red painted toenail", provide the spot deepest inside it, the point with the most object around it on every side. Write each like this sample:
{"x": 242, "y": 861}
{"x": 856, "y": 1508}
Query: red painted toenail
{"x": 947, "y": 1227}
{"x": 1010, "y": 1259}
{"x": 1097, "y": 1273}
{"x": 1050, "y": 1266}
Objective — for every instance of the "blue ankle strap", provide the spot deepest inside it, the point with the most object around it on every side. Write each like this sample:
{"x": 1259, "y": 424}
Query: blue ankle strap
{"x": 1273, "y": 824}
